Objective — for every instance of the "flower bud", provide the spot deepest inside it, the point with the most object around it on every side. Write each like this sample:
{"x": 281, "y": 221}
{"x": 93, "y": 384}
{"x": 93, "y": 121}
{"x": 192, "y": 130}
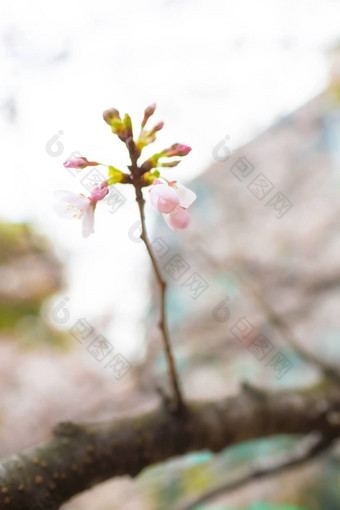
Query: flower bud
{"x": 150, "y": 110}
{"x": 115, "y": 176}
{"x": 127, "y": 125}
{"x": 151, "y": 162}
{"x": 149, "y": 178}
{"x": 79, "y": 162}
{"x": 171, "y": 163}
{"x": 147, "y": 166}
{"x": 177, "y": 149}
{"x": 99, "y": 191}
{"x": 110, "y": 115}
{"x": 157, "y": 127}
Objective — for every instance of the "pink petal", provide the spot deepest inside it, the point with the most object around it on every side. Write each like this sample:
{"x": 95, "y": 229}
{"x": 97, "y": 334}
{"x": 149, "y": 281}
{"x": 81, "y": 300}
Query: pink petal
{"x": 63, "y": 194}
{"x": 178, "y": 219}
{"x": 76, "y": 162}
{"x": 99, "y": 191}
{"x": 164, "y": 198}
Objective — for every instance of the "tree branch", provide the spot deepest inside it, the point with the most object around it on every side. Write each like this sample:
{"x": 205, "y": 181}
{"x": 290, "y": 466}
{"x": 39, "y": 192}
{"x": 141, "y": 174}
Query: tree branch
{"x": 80, "y": 456}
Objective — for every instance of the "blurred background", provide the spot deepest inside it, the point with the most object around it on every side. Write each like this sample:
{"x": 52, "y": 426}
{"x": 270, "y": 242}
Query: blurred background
{"x": 254, "y": 88}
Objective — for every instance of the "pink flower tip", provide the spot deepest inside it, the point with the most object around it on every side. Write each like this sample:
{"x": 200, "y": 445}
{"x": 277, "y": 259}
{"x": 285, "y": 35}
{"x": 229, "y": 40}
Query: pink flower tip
{"x": 178, "y": 149}
{"x": 178, "y": 219}
{"x": 99, "y": 191}
{"x": 158, "y": 126}
{"x": 150, "y": 110}
{"x": 79, "y": 162}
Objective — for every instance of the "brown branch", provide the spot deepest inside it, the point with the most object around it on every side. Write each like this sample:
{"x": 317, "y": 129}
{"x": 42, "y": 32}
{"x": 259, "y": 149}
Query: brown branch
{"x": 179, "y": 403}
{"x": 137, "y": 181}
{"x": 267, "y": 468}
{"x": 80, "y": 456}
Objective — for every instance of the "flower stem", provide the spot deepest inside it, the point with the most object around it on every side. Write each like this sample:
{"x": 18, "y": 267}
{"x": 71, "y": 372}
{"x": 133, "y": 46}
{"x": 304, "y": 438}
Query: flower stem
{"x": 179, "y": 403}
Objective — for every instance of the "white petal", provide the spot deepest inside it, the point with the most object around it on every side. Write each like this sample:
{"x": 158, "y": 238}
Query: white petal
{"x": 88, "y": 222}
{"x": 79, "y": 201}
{"x": 167, "y": 221}
{"x": 71, "y": 205}
{"x": 163, "y": 198}
{"x": 64, "y": 195}
{"x": 185, "y": 195}
{"x": 62, "y": 209}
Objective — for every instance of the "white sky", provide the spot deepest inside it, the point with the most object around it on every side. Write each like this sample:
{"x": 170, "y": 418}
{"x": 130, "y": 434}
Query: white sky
{"x": 214, "y": 68}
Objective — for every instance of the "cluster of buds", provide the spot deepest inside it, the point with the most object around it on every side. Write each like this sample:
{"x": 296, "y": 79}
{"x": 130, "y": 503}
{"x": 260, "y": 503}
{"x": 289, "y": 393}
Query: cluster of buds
{"x": 120, "y": 127}
{"x": 168, "y": 197}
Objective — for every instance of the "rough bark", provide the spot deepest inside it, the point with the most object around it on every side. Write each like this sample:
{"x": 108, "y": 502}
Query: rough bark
{"x": 80, "y": 456}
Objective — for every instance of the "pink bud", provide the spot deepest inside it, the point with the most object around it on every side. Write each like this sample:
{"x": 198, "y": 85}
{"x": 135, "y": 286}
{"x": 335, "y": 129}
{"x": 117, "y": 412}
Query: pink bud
{"x": 99, "y": 191}
{"x": 164, "y": 198}
{"x": 79, "y": 163}
{"x": 178, "y": 219}
{"x": 178, "y": 149}
{"x": 150, "y": 110}
{"x": 157, "y": 127}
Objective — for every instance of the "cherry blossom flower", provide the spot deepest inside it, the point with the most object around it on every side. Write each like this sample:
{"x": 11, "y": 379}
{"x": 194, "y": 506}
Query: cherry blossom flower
{"x": 172, "y": 200}
{"x": 163, "y": 197}
{"x": 74, "y": 205}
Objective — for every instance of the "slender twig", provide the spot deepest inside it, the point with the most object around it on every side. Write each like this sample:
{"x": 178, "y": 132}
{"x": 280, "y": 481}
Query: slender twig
{"x": 266, "y": 469}
{"x": 138, "y": 183}
{"x": 330, "y": 372}
{"x": 281, "y": 325}
{"x": 179, "y": 403}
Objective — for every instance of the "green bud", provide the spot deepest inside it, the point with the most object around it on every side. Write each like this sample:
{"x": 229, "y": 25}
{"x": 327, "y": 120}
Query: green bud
{"x": 148, "y": 178}
{"x": 127, "y": 121}
{"x": 116, "y": 126}
{"x": 115, "y": 175}
{"x": 171, "y": 164}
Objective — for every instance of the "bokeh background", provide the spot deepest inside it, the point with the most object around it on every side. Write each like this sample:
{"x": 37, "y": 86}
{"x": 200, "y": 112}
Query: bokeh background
{"x": 253, "y": 88}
